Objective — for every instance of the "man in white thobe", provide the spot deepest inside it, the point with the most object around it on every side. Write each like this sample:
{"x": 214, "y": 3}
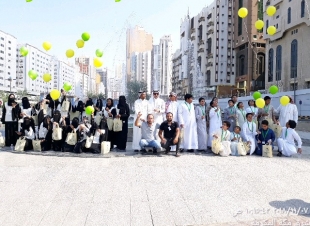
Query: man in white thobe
{"x": 187, "y": 120}
{"x": 201, "y": 125}
{"x": 172, "y": 106}
{"x": 288, "y": 112}
{"x": 249, "y": 132}
{"x": 156, "y": 107}
{"x": 141, "y": 106}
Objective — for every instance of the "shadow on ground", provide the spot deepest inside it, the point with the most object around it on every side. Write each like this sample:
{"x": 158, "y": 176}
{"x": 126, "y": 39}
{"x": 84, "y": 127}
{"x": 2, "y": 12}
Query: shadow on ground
{"x": 292, "y": 207}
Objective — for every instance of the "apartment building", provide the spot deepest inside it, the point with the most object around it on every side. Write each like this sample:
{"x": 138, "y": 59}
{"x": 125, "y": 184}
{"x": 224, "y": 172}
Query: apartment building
{"x": 141, "y": 68}
{"x": 287, "y": 52}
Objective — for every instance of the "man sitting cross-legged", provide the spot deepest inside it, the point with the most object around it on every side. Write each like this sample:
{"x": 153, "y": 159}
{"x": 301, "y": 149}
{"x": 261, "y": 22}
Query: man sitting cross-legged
{"x": 148, "y": 131}
{"x": 171, "y": 132}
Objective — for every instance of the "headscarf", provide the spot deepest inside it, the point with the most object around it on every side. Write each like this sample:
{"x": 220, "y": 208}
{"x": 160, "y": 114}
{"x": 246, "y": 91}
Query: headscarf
{"x": 25, "y": 103}
{"x": 121, "y": 102}
{"x": 11, "y": 100}
{"x": 52, "y": 103}
{"x": 112, "y": 103}
{"x": 26, "y": 124}
{"x": 89, "y": 102}
{"x": 56, "y": 116}
{"x": 75, "y": 122}
{"x": 45, "y": 123}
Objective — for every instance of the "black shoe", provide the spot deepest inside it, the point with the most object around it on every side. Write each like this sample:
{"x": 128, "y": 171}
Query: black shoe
{"x": 279, "y": 154}
{"x": 155, "y": 151}
{"x": 167, "y": 150}
{"x": 190, "y": 150}
{"x": 181, "y": 150}
{"x": 136, "y": 150}
{"x": 143, "y": 152}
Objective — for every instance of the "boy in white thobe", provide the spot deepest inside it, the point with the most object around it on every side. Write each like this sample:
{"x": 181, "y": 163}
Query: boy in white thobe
{"x": 141, "y": 106}
{"x": 157, "y": 108}
{"x": 224, "y": 135}
{"x": 286, "y": 142}
{"x": 288, "y": 112}
{"x": 235, "y": 138}
{"x": 187, "y": 120}
{"x": 201, "y": 125}
{"x": 249, "y": 132}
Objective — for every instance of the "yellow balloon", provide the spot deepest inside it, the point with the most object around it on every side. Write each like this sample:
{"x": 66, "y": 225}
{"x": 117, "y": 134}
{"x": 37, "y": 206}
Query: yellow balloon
{"x": 69, "y": 53}
{"x": 47, "y": 46}
{"x": 242, "y": 12}
{"x": 80, "y": 43}
{"x": 271, "y": 10}
{"x": 271, "y": 30}
{"x": 260, "y": 103}
{"x": 285, "y": 100}
{"x": 97, "y": 62}
{"x": 47, "y": 77}
{"x": 259, "y": 24}
{"x": 55, "y": 94}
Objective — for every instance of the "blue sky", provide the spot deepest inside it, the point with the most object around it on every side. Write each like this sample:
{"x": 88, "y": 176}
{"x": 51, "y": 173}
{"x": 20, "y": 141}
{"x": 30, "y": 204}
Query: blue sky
{"x": 63, "y": 21}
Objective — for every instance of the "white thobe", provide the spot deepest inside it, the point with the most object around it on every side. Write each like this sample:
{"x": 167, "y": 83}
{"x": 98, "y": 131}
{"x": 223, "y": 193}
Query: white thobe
{"x": 249, "y": 133}
{"x": 173, "y": 108}
{"x": 241, "y": 117}
{"x": 286, "y": 143}
{"x": 187, "y": 118}
{"x": 254, "y": 111}
{"x": 214, "y": 124}
{"x": 224, "y": 137}
{"x": 234, "y": 144}
{"x": 201, "y": 127}
{"x": 288, "y": 112}
{"x": 142, "y": 107}
{"x": 157, "y": 104}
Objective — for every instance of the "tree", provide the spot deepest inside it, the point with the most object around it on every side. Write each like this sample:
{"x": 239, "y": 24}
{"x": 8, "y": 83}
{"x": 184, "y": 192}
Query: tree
{"x": 101, "y": 96}
{"x": 21, "y": 93}
{"x": 133, "y": 88}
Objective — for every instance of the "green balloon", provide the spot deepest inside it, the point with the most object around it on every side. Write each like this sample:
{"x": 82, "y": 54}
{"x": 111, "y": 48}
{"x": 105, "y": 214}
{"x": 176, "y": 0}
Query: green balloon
{"x": 85, "y": 36}
{"x": 256, "y": 95}
{"x": 99, "y": 53}
{"x": 32, "y": 74}
{"x": 67, "y": 86}
{"x": 28, "y": 0}
{"x": 273, "y": 89}
{"x": 23, "y": 51}
{"x": 89, "y": 110}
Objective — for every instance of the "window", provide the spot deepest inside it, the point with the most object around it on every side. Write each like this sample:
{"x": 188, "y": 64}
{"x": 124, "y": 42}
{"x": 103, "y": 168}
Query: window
{"x": 267, "y": 25}
{"x": 270, "y": 66}
{"x": 209, "y": 45}
{"x": 294, "y": 58}
{"x": 289, "y": 15}
{"x": 278, "y": 62}
{"x": 241, "y": 65}
{"x": 302, "y": 12}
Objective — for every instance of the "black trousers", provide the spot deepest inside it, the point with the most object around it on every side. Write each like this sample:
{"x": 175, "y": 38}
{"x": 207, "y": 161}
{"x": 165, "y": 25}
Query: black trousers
{"x": 79, "y": 147}
{"x": 10, "y": 133}
{"x": 170, "y": 143}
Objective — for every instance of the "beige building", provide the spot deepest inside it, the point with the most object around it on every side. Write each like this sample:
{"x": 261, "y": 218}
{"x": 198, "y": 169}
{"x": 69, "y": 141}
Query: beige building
{"x": 138, "y": 41}
{"x": 249, "y": 46}
{"x": 287, "y": 52}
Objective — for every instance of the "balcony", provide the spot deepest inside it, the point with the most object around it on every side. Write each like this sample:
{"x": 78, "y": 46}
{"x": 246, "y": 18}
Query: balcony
{"x": 209, "y": 64}
{"x": 210, "y": 31}
{"x": 201, "y": 19}
{"x": 209, "y": 56}
{"x": 210, "y": 24}
{"x": 193, "y": 30}
{"x": 201, "y": 43}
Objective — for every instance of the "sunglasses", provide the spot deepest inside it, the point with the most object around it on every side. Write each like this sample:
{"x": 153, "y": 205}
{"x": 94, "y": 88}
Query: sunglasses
{"x": 155, "y": 93}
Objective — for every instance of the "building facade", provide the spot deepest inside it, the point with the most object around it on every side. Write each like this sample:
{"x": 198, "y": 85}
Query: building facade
{"x": 8, "y": 63}
{"x": 63, "y": 73}
{"x": 249, "y": 46}
{"x": 287, "y": 51}
{"x": 137, "y": 41}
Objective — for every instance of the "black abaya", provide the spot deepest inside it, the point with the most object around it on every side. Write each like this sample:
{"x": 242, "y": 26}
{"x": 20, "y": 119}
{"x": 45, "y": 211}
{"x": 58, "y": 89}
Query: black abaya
{"x": 121, "y": 137}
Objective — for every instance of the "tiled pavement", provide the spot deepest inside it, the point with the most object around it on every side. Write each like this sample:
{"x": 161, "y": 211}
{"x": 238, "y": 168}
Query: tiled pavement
{"x": 137, "y": 190}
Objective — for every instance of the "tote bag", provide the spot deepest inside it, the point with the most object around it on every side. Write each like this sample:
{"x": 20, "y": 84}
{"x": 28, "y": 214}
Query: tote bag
{"x": 98, "y": 119}
{"x": 36, "y": 145}
{"x": 71, "y": 138}
{"x": 35, "y": 120}
{"x": 277, "y": 129}
{"x": 110, "y": 123}
{"x": 267, "y": 151}
{"x": 20, "y": 144}
{"x": 57, "y": 133}
{"x": 105, "y": 147}
{"x": 117, "y": 125}
{"x": 89, "y": 141}
{"x": 2, "y": 141}
{"x": 241, "y": 149}
{"x": 216, "y": 146}
{"x": 65, "y": 106}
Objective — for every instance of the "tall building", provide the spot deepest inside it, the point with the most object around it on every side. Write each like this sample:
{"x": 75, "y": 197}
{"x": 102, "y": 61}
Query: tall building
{"x": 249, "y": 47}
{"x": 7, "y": 62}
{"x": 63, "y": 72}
{"x": 103, "y": 80}
{"x": 162, "y": 56}
{"x": 287, "y": 51}
{"x": 141, "y": 68}
{"x": 39, "y": 61}
{"x": 138, "y": 40}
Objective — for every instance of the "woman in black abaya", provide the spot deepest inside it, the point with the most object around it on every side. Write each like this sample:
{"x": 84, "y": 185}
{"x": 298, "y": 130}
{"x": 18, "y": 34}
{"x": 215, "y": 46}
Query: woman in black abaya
{"x": 124, "y": 113}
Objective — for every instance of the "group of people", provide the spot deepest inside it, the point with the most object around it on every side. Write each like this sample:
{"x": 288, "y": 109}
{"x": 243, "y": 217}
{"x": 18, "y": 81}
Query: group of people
{"x": 188, "y": 127}
{"x": 172, "y": 125}
{"x": 40, "y": 120}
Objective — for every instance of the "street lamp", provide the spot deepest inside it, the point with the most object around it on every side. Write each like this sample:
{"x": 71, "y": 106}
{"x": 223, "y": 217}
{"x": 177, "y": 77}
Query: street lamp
{"x": 10, "y": 79}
